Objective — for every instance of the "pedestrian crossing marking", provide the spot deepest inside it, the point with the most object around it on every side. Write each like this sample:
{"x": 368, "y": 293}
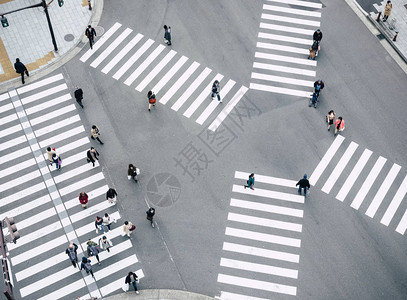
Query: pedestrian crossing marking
{"x": 71, "y": 146}
{"x": 10, "y": 130}
{"x": 4, "y": 96}
{"x": 283, "y": 38}
{"x": 233, "y": 296}
{"x": 402, "y": 226}
{"x": 279, "y": 68}
{"x": 278, "y": 90}
{"x": 32, "y": 270}
{"x": 12, "y": 156}
{"x": 291, "y": 20}
{"x": 58, "y": 125}
{"x": 91, "y": 227}
{"x": 92, "y": 210}
{"x": 25, "y": 207}
{"x": 263, "y": 237}
{"x": 64, "y": 291}
{"x": 35, "y": 85}
{"x": 269, "y": 194}
{"x": 51, "y": 115}
{"x": 395, "y": 203}
{"x": 60, "y": 137}
{"x": 264, "y": 222}
{"x": 75, "y": 187}
{"x": 43, "y": 94}
{"x": 294, "y": 11}
{"x": 22, "y": 194}
{"x": 117, "y": 284}
{"x": 47, "y": 104}
{"x": 92, "y": 194}
{"x": 174, "y": 69}
{"x": 299, "y": 3}
{"x": 72, "y": 173}
{"x": 282, "y": 48}
{"x": 8, "y": 119}
{"x": 288, "y": 59}
{"x": 41, "y": 216}
{"x": 286, "y": 29}
{"x": 267, "y": 207}
{"x": 6, "y": 107}
{"x": 282, "y": 79}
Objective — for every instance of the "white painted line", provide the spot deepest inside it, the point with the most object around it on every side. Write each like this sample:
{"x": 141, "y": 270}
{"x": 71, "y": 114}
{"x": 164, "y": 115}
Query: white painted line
{"x": 17, "y": 167}
{"x": 350, "y": 181}
{"x": 291, "y": 20}
{"x": 279, "y": 90}
{"x": 111, "y": 47}
{"x": 38, "y": 84}
{"x": 174, "y": 69}
{"x": 257, "y": 284}
{"x": 92, "y": 195}
{"x": 57, "y": 125}
{"x": 116, "y": 232}
{"x": 401, "y": 228}
{"x": 117, "y": 284}
{"x": 263, "y": 237}
{"x": 19, "y": 181}
{"x": 100, "y": 42}
{"x": 122, "y": 53}
{"x": 233, "y": 296}
{"x": 267, "y": 179}
{"x": 181, "y": 80}
{"x": 8, "y": 119}
{"x": 176, "y": 106}
{"x": 299, "y": 3}
{"x": 395, "y": 203}
{"x": 48, "y": 104}
{"x": 282, "y": 48}
{"x": 34, "y": 219}
{"x": 339, "y": 167}
{"x": 133, "y": 59}
{"x": 14, "y": 155}
{"x": 279, "y": 68}
{"x": 275, "y": 209}
{"x": 73, "y": 145}
{"x": 22, "y": 194}
{"x": 271, "y": 254}
{"x": 62, "y": 136}
{"x": 90, "y": 211}
{"x": 75, "y": 187}
{"x": 206, "y": 93}
{"x": 280, "y": 28}
{"x": 326, "y": 159}
{"x": 284, "y": 58}
{"x": 301, "y": 12}
{"x": 12, "y": 143}
{"x": 10, "y": 130}
{"x": 384, "y": 188}
{"x": 72, "y": 173}
{"x": 32, "y": 270}
{"x": 140, "y": 69}
{"x": 264, "y": 222}
{"x": 43, "y": 94}
{"x": 214, "y": 103}
{"x": 283, "y": 38}
{"x": 306, "y": 83}
{"x": 228, "y": 108}
{"x": 4, "y": 96}
{"x": 6, "y": 107}
{"x": 154, "y": 72}
{"x": 71, "y": 159}
{"x": 52, "y": 114}
{"x": 66, "y": 290}
{"x": 116, "y": 267}
{"x": 269, "y": 194}
{"x": 90, "y": 227}
{"x": 25, "y": 207}
{"x": 374, "y": 172}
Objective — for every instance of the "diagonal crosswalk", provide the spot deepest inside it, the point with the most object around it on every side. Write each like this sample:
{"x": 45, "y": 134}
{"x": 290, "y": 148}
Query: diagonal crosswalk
{"x": 262, "y": 239}
{"x": 44, "y": 200}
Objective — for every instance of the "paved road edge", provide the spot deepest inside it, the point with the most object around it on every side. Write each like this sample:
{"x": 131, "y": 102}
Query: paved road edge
{"x": 160, "y": 294}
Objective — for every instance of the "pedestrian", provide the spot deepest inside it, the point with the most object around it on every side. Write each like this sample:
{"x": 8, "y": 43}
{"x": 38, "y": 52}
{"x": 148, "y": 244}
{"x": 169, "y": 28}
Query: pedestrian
{"x": 132, "y": 172}
{"x": 99, "y": 225}
{"x": 387, "y": 11}
{"x": 92, "y": 155}
{"x": 107, "y": 221}
{"x": 313, "y": 50}
{"x": 317, "y": 36}
{"x": 50, "y": 152}
{"x": 57, "y": 160}
{"x": 303, "y": 184}
{"x": 151, "y": 99}
{"x": 78, "y": 95}
{"x": 111, "y": 196}
{"x": 90, "y": 33}
{"x": 86, "y": 264}
{"x": 150, "y": 214}
{"x": 128, "y": 228}
{"x": 167, "y": 35}
{"x": 105, "y": 243}
{"x": 216, "y": 90}
{"x": 93, "y": 250}
{"x": 132, "y": 278}
{"x": 95, "y": 134}
{"x": 72, "y": 254}
{"x": 83, "y": 199}
{"x": 339, "y": 125}
{"x": 330, "y": 118}
{"x": 20, "y": 69}
{"x": 250, "y": 182}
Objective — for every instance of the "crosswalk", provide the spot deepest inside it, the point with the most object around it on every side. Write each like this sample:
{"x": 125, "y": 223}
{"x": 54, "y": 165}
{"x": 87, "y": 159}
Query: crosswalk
{"x": 146, "y": 65}
{"x": 281, "y": 65}
{"x": 262, "y": 239}
{"x": 44, "y": 201}
{"x": 366, "y": 181}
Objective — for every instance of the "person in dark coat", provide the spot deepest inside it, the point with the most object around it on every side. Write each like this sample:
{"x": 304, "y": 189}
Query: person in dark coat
{"x": 317, "y": 35}
{"x": 250, "y": 182}
{"x": 151, "y": 99}
{"x": 132, "y": 278}
{"x": 216, "y": 90}
{"x": 72, "y": 254}
{"x": 90, "y": 33}
{"x": 150, "y": 214}
{"x": 92, "y": 155}
{"x": 111, "y": 196}
{"x": 303, "y": 184}
{"x": 167, "y": 35}
{"x": 79, "y": 96}
{"x": 21, "y": 69}
{"x": 86, "y": 264}
{"x": 132, "y": 172}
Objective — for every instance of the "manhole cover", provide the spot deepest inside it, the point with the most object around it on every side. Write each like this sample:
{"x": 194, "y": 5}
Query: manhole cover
{"x": 69, "y": 37}
{"x": 163, "y": 189}
{"x": 380, "y": 36}
{"x": 99, "y": 30}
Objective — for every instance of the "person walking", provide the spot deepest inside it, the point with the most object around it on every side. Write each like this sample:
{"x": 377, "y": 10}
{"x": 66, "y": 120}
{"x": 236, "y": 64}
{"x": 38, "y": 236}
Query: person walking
{"x": 128, "y": 228}
{"x": 250, "y": 182}
{"x": 21, "y": 69}
{"x": 151, "y": 99}
{"x": 95, "y": 134}
{"x": 132, "y": 172}
{"x": 216, "y": 90}
{"x": 167, "y": 35}
{"x": 313, "y": 50}
{"x": 111, "y": 196}
{"x": 150, "y": 214}
{"x": 72, "y": 254}
{"x": 90, "y": 33}
{"x": 132, "y": 278}
{"x": 57, "y": 160}
{"x": 317, "y": 36}
{"x": 50, "y": 153}
{"x": 99, "y": 224}
{"x": 83, "y": 199}
{"x": 92, "y": 155}
{"x": 339, "y": 125}
{"x": 93, "y": 250}
{"x": 387, "y": 11}
{"x": 303, "y": 184}
{"x": 86, "y": 264}
{"x": 107, "y": 221}
{"x": 330, "y": 118}
{"x": 105, "y": 243}
{"x": 78, "y": 95}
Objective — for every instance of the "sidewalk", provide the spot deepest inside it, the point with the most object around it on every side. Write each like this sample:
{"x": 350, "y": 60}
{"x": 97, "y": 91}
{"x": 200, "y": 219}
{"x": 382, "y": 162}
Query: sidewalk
{"x": 159, "y": 295}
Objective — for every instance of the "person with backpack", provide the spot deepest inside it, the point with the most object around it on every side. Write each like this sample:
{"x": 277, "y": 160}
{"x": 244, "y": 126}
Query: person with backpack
{"x": 150, "y": 214}
{"x": 250, "y": 182}
{"x": 86, "y": 264}
{"x": 105, "y": 243}
{"x": 72, "y": 254}
{"x": 93, "y": 250}
{"x": 132, "y": 278}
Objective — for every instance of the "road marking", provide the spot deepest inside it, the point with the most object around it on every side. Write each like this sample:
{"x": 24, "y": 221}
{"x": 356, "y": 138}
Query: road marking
{"x": 326, "y": 159}
{"x": 284, "y": 69}
{"x": 71, "y": 159}
{"x": 26, "y": 207}
{"x": 267, "y": 179}
{"x": 63, "y": 136}
{"x": 286, "y": 29}
{"x": 122, "y": 53}
{"x": 71, "y": 146}
{"x": 14, "y": 155}
{"x": 6, "y": 107}
{"x": 281, "y": 210}
{"x": 263, "y": 237}
{"x": 228, "y": 108}
{"x": 91, "y": 195}
{"x": 100, "y": 42}
{"x": 197, "y": 82}
{"x": 282, "y": 48}
{"x": 214, "y": 103}
{"x": 291, "y": 20}
{"x": 181, "y": 80}
{"x": 289, "y": 59}
{"x": 374, "y": 172}
{"x": 81, "y": 231}
{"x": 92, "y": 210}
{"x": 339, "y": 167}
{"x": 299, "y": 3}
{"x": 116, "y": 267}
{"x": 233, "y": 296}
{"x": 113, "y": 45}
{"x": 395, "y": 203}
{"x": 278, "y": 90}
{"x": 4, "y": 96}
{"x": 264, "y": 222}
{"x": 8, "y": 119}
{"x": 72, "y": 173}
{"x": 10, "y": 130}
{"x": 268, "y": 194}
{"x": 384, "y": 188}
{"x": 283, "y": 38}
{"x": 81, "y": 184}
{"x": 140, "y": 69}
{"x": 401, "y": 228}
{"x": 38, "y": 84}
{"x": 66, "y": 290}
{"x": 154, "y": 72}
{"x": 301, "y": 12}
{"x": 32, "y": 270}
{"x": 43, "y": 94}
{"x": 48, "y": 104}
{"x": 22, "y": 194}
{"x": 52, "y": 114}
{"x": 306, "y": 83}
{"x": 117, "y": 284}
{"x": 350, "y": 181}
{"x": 174, "y": 69}
{"x": 19, "y": 181}
{"x": 12, "y": 143}
{"x": 57, "y": 125}
{"x": 34, "y": 219}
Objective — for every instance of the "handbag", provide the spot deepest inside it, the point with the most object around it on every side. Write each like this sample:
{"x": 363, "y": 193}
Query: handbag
{"x": 152, "y": 100}
{"x": 132, "y": 227}
{"x": 128, "y": 177}
{"x": 125, "y": 287}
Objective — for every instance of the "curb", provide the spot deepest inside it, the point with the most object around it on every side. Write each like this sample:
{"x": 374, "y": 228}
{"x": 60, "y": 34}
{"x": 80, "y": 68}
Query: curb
{"x": 160, "y": 295}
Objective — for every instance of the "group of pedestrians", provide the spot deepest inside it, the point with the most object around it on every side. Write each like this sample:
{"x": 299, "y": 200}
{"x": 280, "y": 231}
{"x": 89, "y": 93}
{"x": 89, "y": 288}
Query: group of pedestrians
{"x": 338, "y": 123}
